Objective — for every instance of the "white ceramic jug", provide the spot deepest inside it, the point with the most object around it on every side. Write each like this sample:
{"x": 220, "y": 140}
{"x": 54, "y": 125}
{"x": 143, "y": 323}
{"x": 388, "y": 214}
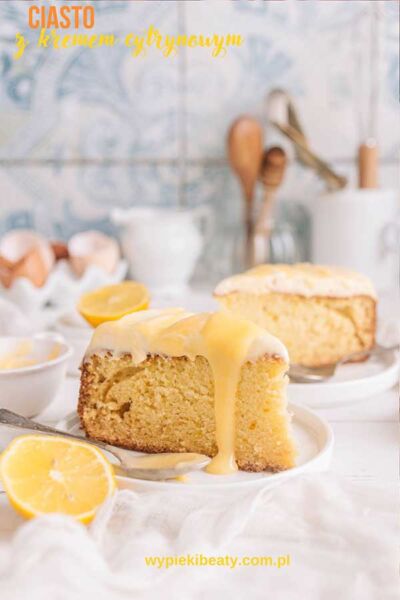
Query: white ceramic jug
{"x": 163, "y": 245}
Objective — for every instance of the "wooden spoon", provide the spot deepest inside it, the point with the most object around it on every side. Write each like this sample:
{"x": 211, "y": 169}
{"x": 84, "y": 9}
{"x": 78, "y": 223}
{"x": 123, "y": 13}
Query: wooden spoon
{"x": 245, "y": 146}
{"x": 272, "y": 171}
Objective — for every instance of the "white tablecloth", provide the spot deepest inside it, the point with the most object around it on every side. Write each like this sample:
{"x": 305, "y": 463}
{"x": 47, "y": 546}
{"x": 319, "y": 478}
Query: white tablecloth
{"x": 341, "y": 538}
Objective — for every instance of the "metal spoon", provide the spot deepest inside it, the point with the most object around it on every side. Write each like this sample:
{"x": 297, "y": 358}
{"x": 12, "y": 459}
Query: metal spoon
{"x": 130, "y": 464}
{"x": 302, "y": 374}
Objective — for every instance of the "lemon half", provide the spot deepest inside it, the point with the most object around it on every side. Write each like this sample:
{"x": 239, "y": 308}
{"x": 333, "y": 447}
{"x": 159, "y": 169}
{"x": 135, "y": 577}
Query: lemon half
{"x": 112, "y": 302}
{"x": 44, "y": 474}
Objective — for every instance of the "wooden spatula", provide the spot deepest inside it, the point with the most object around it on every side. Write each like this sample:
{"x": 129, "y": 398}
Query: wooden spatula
{"x": 245, "y": 146}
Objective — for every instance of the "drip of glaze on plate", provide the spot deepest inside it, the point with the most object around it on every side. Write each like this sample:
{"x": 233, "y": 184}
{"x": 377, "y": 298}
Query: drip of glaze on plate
{"x": 168, "y": 460}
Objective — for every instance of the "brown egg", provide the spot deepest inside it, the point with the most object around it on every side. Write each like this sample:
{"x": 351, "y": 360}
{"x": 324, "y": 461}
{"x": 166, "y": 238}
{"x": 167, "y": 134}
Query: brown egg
{"x": 6, "y": 272}
{"x": 60, "y": 250}
{"x": 27, "y": 254}
{"x": 33, "y": 267}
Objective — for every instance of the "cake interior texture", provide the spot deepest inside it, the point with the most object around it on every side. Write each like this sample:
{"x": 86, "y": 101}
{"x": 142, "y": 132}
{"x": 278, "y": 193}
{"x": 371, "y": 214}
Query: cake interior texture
{"x": 166, "y": 404}
{"x": 316, "y": 330}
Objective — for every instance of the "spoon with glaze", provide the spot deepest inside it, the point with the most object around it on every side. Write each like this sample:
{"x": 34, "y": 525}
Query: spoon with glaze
{"x": 245, "y": 146}
{"x": 155, "y": 467}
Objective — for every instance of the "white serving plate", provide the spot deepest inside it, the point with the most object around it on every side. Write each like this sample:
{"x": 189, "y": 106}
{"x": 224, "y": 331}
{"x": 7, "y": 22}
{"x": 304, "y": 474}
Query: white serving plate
{"x": 314, "y": 440}
{"x": 351, "y": 383}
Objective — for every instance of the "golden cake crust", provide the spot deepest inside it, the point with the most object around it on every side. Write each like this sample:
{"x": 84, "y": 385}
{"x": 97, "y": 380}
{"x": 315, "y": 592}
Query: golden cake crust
{"x": 88, "y": 394}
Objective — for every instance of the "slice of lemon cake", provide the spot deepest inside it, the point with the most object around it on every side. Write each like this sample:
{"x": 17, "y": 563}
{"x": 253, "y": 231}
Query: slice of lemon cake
{"x": 172, "y": 381}
{"x": 321, "y": 314}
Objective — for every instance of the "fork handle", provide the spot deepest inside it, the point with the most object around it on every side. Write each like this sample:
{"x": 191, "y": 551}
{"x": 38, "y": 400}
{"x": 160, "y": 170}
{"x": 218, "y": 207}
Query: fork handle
{"x": 377, "y": 350}
{"x": 7, "y": 417}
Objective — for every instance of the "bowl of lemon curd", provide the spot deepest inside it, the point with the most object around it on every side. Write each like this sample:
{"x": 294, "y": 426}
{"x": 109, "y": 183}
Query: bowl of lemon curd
{"x": 32, "y": 370}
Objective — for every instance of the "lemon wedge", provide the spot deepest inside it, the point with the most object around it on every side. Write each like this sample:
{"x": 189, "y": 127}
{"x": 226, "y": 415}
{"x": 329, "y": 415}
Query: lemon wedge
{"x": 50, "y": 474}
{"x": 112, "y": 302}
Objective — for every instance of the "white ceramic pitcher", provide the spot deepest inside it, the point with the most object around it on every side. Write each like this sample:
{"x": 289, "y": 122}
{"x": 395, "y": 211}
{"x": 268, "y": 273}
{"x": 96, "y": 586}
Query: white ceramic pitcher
{"x": 163, "y": 245}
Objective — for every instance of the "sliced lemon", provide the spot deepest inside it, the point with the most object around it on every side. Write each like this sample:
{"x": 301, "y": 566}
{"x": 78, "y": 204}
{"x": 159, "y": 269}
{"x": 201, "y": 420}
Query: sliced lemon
{"x": 50, "y": 474}
{"x": 112, "y": 302}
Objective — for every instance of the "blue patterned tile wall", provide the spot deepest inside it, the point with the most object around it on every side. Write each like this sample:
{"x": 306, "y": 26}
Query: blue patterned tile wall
{"x": 83, "y": 130}
{"x": 90, "y": 103}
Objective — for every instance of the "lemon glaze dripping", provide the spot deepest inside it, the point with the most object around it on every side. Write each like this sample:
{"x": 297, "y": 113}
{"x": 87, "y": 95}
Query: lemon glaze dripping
{"x": 225, "y": 340}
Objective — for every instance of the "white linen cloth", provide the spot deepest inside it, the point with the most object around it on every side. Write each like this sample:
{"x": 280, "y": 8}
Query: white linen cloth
{"x": 342, "y": 538}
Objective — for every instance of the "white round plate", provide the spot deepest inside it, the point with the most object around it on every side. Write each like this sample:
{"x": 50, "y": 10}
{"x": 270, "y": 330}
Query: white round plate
{"x": 314, "y": 441}
{"x": 351, "y": 383}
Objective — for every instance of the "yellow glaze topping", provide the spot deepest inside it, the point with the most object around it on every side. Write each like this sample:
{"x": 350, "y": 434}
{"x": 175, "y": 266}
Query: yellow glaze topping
{"x": 225, "y": 340}
{"x": 303, "y": 279}
{"x": 169, "y": 460}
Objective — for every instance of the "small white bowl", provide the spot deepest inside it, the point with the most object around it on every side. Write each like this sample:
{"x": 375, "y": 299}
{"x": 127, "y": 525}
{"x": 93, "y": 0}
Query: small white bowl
{"x": 29, "y": 390}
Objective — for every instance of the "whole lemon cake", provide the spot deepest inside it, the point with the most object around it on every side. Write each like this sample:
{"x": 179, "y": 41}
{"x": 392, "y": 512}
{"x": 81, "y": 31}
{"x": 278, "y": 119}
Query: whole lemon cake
{"x": 172, "y": 381}
{"x": 321, "y": 314}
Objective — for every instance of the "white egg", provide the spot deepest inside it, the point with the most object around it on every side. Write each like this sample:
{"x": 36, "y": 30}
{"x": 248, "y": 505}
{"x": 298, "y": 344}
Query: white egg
{"x": 93, "y": 248}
